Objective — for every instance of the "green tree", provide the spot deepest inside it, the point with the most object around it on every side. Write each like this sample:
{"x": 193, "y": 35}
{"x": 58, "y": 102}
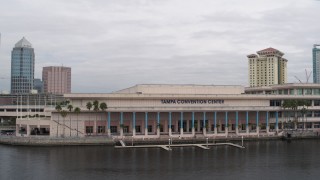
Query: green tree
{"x": 96, "y": 109}
{"x": 89, "y": 105}
{"x": 58, "y": 108}
{"x": 77, "y": 111}
{"x": 103, "y": 107}
{"x": 70, "y": 107}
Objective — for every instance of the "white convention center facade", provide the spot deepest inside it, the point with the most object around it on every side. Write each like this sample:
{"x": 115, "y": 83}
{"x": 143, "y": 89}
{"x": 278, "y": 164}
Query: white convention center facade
{"x": 186, "y": 111}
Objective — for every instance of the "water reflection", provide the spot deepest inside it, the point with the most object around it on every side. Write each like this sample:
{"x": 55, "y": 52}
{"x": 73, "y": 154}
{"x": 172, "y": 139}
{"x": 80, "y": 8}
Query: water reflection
{"x": 266, "y": 160}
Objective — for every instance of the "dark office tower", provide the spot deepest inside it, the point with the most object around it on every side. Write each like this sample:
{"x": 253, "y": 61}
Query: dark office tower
{"x": 22, "y": 67}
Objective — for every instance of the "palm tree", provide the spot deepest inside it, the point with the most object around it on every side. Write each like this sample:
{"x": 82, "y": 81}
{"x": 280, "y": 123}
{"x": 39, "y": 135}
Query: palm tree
{"x": 77, "y": 111}
{"x": 70, "y": 107}
{"x": 58, "y": 108}
{"x": 103, "y": 107}
{"x": 89, "y": 106}
{"x": 64, "y": 114}
{"x": 96, "y": 109}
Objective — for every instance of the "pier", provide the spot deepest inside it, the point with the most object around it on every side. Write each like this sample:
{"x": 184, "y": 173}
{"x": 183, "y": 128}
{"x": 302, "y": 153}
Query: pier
{"x": 169, "y": 146}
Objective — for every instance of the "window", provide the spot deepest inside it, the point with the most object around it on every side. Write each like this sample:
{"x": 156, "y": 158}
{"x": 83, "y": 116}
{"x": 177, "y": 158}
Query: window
{"x": 149, "y": 128}
{"x": 113, "y": 129}
{"x": 316, "y": 113}
{"x": 101, "y": 129}
{"x": 275, "y": 102}
{"x": 138, "y": 129}
{"x": 89, "y": 129}
{"x": 308, "y": 91}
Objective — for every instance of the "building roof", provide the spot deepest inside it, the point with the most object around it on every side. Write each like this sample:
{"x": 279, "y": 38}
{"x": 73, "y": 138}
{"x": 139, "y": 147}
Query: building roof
{"x": 23, "y": 43}
{"x": 270, "y": 50}
{"x": 182, "y": 89}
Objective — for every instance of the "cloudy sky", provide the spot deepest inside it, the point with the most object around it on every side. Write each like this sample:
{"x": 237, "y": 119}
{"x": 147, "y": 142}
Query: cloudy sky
{"x": 114, "y": 44}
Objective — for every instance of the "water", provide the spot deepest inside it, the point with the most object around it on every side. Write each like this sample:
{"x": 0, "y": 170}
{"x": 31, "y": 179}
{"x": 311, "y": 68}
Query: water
{"x": 260, "y": 160}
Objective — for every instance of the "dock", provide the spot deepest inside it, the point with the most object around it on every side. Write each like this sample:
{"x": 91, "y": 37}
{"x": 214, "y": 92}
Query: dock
{"x": 169, "y": 147}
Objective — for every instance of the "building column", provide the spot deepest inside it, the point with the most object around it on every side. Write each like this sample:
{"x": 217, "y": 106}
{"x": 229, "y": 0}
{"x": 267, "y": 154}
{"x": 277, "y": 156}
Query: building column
{"x": 121, "y": 124}
{"x": 226, "y": 124}
{"x": 146, "y": 124}
{"x": 257, "y": 123}
{"x": 247, "y": 122}
{"x": 237, "y": 123}
{"x": 169, "y": 126}
{"x": 109, "y": 121}
{"x": 28, "y": 130}
{"x": 192, "y": 124}
{"x": 181, "y": 124}
{"x": 133, "y": 124}
{"x": 94, "y": 127}
{"x": 158, "y": 124}
{"x": 277, "y": 127}
{"x": 267, "y": 122}
{"x": 204, "y": 129}
{"x": 215, "y": 123}
{"x": 17, "y": 129}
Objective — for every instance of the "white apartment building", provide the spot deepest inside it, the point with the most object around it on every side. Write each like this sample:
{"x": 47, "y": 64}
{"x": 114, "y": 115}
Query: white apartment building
{"x": 267, "y": 68}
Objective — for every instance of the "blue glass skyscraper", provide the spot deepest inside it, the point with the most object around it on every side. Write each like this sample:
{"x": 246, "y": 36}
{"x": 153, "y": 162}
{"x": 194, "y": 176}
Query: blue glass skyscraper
{"x": 22, "y": 67}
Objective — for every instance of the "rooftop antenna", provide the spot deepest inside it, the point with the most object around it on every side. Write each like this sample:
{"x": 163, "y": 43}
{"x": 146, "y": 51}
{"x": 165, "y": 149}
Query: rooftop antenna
{"x": 308, "y": 75}
{"x": 298, "y": 79}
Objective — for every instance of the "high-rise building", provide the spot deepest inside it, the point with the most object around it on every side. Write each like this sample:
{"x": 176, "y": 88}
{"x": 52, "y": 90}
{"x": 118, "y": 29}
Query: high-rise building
{"x": 38, "y": 85}
{"x": 56, "y": 79}
{"x": 316, "y": 63}
{"x": 267, "y": 68}
{"x": 22, "y": 67}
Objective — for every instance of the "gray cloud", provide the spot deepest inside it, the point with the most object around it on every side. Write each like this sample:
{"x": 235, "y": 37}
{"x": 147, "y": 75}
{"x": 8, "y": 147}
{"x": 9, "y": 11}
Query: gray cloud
{"x": 114, "y": 44}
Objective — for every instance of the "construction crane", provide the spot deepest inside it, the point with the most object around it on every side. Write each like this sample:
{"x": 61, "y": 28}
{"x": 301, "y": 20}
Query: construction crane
{"x": 308, "y": 74}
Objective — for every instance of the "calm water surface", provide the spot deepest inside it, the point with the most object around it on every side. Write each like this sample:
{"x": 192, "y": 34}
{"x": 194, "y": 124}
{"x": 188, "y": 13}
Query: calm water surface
{"x": 260, "y": 160}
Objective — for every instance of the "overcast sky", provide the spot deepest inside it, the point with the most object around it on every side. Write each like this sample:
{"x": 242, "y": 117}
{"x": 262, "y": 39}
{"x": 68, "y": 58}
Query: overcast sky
{"x": 115, "y": 44}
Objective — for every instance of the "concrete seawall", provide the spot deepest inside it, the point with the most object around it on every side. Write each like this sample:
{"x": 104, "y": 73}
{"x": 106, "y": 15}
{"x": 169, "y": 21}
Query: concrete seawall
{"x": 108, "y": 141}
{"x": 46, "y": 141}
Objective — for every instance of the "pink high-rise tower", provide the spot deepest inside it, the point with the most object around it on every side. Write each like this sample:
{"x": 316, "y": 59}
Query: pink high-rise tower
{"x": 56, "y": 79}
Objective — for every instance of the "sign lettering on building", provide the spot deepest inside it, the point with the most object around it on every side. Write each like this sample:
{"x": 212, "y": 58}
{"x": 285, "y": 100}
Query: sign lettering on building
{"x": 192, "y": 101}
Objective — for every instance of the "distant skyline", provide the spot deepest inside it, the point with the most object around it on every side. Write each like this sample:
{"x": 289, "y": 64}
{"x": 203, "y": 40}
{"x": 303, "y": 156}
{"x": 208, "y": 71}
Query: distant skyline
{"x": 114, "y": 44}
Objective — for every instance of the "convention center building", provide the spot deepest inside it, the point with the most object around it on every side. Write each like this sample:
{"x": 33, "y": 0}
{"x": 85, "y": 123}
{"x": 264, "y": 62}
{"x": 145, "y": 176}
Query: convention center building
{"x": 184, "y": 111}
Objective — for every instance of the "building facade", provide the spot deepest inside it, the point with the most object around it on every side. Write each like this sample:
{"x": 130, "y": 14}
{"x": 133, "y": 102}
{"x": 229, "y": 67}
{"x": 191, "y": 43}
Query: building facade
{"x": 267, "y": 68}
{"x": 56, "y": 79}
{"x": 316, "y": 63}
{"x": 22, "y": 67}
{"x": 38, "y": 85}
{"x": 187, "y": 111}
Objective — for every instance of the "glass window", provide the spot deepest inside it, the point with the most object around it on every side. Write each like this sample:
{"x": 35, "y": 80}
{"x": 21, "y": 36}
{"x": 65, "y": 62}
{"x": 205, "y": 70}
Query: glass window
{"x": 285, "y": 91}
{"x": 149, "y": 128}
{"x": 308, "y": 91}
{"x": 101, "y": 129}
{"x": 138, "y": 129}
{"x": 89, "y": 129}
{"x": 316, "y": 91}
{"x": 316, "y": 113}
{"x": 291, "y": 91}
{"x": 113, "y": 129}
{"x": 299, "y": 91}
